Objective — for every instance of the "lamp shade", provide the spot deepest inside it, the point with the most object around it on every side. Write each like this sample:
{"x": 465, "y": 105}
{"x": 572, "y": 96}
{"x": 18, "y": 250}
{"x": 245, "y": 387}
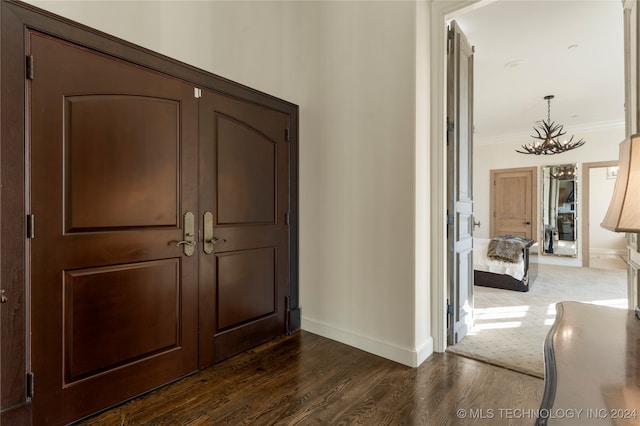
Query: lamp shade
{"x": 624, "y": 210}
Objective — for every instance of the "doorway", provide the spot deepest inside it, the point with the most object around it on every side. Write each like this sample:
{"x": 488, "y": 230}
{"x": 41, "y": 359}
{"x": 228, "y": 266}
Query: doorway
{"x": 440, "y": 14}
{"x": 601, "y": 175}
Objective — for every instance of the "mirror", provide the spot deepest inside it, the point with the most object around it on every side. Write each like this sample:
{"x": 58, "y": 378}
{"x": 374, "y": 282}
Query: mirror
{"x": 560, "y": 210}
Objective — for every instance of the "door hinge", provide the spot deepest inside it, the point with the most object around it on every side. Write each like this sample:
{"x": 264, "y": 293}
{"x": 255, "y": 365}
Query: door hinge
{"x": 450, "y": 126}
{"x": 287, "y": 134}
{"x": 31, "y": 226}
{"x": 287, "y": 218}
{"x": 197, "y": 93}
{"x": 30, "y": 384}
{"x": 450, "y": 36}
{"x": 30, "y": 69}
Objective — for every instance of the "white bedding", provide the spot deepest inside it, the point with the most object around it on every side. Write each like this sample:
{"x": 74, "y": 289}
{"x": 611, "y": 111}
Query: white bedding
{"x": 482, "y": 263}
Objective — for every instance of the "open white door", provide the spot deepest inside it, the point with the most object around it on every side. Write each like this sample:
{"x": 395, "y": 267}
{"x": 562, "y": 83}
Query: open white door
{"x": 459, "y": 184}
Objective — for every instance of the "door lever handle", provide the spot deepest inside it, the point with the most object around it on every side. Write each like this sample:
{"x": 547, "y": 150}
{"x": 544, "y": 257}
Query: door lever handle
{"x": 215, "y": 241}
{"x": 209, "y": 240}
{"x": 186, "y": 242}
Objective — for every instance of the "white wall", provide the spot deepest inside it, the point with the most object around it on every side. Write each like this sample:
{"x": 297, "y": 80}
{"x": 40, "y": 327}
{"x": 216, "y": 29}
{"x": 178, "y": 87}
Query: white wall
{"x": 602, "y": 145}
{"x": 251, "y": 42}
{"x": 357, "y": 175}
{"x": 351, "y": 67}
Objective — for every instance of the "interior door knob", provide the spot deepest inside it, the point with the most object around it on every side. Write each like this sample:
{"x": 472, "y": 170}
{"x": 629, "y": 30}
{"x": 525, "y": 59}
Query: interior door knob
{"x": 209, "y": 239}
{"x": 215, "y": 241}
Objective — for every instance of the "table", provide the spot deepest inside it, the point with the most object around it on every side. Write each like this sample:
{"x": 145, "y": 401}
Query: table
{"x": 592, "y": 367}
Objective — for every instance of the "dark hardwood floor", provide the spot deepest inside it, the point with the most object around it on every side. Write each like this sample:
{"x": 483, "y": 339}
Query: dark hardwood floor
{"x": 306, "y": 379}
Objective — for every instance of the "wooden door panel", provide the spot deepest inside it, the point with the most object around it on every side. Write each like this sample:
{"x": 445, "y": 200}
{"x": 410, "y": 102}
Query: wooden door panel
{"x": 113, "y": 168}
{"x": 246, "y": 164}
{"x": 244, "y": 185}
{"x": 103, "y": 325}
{"x": 246, "y": 286}
{"x": 108, "y": 146}
{"x": 512, "y": 197}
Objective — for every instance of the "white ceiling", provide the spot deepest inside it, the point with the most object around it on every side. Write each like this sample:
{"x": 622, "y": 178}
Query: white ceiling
{"x": 586, "y": 79}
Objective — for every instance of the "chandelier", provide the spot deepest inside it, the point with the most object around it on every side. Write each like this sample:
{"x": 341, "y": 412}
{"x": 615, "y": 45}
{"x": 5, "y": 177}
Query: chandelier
{"x": 548, "y": 135}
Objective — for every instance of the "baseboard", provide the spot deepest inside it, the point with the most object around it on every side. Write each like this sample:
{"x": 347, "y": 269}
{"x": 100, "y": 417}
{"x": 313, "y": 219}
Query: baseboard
{"x": 423, "y": 351}
{"x": 293, "y": 320}
{"x": 556, "y": 260}
{"x": 612, "y": 252}
{"x": 403, "y": 355}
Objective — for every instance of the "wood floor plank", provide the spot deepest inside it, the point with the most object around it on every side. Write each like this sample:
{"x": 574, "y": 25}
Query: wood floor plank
{"x": 306, "y": 379}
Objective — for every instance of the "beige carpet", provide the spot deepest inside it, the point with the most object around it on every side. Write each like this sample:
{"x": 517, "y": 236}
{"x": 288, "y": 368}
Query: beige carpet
{"x": 510, "y": 327}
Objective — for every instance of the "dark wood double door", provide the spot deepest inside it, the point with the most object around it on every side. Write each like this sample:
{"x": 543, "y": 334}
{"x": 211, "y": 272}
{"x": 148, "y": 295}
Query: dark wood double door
{"x": 160, "y": 243}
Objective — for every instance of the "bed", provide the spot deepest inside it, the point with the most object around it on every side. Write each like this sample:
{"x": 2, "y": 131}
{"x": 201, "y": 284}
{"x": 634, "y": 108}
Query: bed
{"x": 491, "y": 271}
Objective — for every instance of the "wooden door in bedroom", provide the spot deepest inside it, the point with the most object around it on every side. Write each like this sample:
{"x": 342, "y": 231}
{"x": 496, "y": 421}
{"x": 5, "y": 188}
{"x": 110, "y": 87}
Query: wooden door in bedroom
{"x": 112, "y": 177}
{"x": 513, "y": 202}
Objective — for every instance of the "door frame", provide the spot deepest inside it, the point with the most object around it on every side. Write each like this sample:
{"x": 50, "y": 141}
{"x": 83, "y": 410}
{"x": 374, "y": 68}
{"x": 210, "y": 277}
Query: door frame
{"x": 15, "y": 17}
{"x": 535, "y": 211}
{"x": 584, "y": 231}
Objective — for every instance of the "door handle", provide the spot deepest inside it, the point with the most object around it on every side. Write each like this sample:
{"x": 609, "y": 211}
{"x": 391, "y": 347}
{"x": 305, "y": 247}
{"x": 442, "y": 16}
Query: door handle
{"x": 189, "y": 242}
{"x": 186, "y": 242}
{"x": 209, "y": 239}
{"x": 215, "y": 241}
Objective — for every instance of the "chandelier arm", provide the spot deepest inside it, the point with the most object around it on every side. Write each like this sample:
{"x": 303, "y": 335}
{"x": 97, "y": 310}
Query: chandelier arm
{"x": 539, "y": 135}
{"x": 558, "y": 130}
